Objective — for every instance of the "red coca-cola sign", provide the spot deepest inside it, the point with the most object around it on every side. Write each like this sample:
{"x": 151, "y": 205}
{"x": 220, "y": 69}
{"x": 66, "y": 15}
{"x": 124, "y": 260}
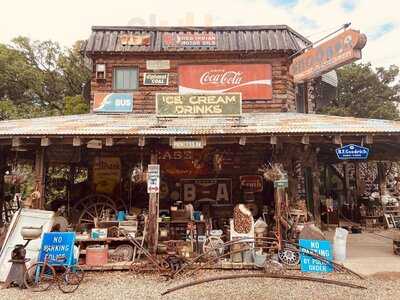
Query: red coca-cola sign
{"x": 254, "y": 81}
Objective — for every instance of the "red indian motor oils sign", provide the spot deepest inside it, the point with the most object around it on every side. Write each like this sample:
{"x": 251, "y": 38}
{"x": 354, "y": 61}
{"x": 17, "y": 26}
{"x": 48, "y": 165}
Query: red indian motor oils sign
{"x": 254, "y": 81}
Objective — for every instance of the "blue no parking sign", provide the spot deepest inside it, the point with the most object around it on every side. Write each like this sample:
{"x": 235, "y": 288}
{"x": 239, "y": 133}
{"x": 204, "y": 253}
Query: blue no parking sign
{"x": 59, "y": 248}
{"x": 322, "y": 248}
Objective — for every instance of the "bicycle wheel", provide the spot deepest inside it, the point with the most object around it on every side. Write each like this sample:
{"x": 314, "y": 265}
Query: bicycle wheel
{"x": 69, "y": 281}
{"x": 78, "y": 271}
{"x": 39, "y": 277}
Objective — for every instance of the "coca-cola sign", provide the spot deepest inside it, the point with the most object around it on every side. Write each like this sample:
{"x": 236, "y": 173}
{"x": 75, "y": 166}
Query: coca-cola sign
{"x": 254, "y": 81}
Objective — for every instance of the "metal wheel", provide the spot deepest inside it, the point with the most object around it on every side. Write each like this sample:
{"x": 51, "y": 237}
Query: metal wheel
{"x": 94, "y": 206}
{"x": 213, "y": 246}
{"x": 69, "y": 281}
{"x": 289, "y": 257}
{"x": 39, "y": 277}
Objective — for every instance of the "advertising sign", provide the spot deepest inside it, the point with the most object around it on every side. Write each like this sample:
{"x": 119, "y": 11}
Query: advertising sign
{"x": 334, "y": 53}
{"x": 254, "y": 81}
{"x": 310, "y": 264}
{"x": 58, "y": 247}
{"x": 130, "y": 39}
{"x": 190, "y": 105}
{"x": 155, "y": 78}
{"x": 189, "y": 40}
{"x": 187, "y": 144}
{"x": 251, "y": 183}
{"x": 153, "y": 179}
{"x": 352, "y": 151}
{"x": 158, "y": 64}
{"x": 113, "y": 102}
{"x": 106, "y": 174}
{"x": 216, "y": 190}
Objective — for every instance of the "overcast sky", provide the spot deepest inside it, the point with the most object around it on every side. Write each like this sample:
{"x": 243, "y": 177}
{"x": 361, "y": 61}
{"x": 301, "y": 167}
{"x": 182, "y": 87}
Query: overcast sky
{"x": 67, "y": 21}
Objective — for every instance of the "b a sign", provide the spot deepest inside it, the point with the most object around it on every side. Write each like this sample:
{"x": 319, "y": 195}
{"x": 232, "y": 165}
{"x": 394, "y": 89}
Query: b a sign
{"x": 352, "y": 151}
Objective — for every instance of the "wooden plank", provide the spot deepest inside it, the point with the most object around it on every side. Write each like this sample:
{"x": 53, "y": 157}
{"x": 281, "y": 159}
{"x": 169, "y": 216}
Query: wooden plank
{"x": 153, "y": 215}
{"x": 40, "y": 175}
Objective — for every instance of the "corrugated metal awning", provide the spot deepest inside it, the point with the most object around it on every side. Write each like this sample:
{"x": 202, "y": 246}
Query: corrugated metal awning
{"x": 149, "y": 125}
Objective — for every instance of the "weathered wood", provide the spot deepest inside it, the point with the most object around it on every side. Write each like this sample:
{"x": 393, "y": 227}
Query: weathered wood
{"x": 40, "y": 175}
{"x": 153, "y": 215}
{"x": 316, "y": 176}
{"x": 2, "y": 171}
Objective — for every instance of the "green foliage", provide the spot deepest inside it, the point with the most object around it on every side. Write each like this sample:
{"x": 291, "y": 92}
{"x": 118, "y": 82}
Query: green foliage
{"x": 366, "y": 93}
{"x": 75, "y": 105}
{"x": 38, "y": 78}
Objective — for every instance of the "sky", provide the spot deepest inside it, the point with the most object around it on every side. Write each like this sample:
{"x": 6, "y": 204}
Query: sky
{"x": 67, "y": 21}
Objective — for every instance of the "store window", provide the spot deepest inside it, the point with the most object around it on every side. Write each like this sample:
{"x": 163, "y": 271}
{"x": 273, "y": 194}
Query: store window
{"x": 125, "y": 79}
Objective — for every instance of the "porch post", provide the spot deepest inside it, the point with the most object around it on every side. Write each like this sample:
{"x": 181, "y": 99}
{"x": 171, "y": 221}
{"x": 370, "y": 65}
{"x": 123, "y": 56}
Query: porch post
{"x": 153, "y": 215}
{"x": 40, "y": 175}
{"x": 2, "y": 170}
{"x": 316, "y": 175}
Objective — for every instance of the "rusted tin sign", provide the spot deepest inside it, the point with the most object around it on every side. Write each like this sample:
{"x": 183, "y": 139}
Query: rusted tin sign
{"x": 113, "y": 102}
{"x": 254, "y": 81}
{"x": 251, "y": 183}
{"x": 135, "y": 39}
{"x": 155, "y": 78}
{"x": 190, "y": 105}
{"x": 187, "y": 144}
{"x": 157, "y": 64}
{"x": 334, "y": 53}
{"x": 206, "y": 39}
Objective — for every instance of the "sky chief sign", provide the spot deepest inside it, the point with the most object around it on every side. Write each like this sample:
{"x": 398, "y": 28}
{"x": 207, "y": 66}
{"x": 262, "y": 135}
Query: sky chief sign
{"x": 349, "y": 152}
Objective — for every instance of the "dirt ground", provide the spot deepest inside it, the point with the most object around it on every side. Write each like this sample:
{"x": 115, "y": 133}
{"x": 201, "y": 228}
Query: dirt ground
{"x": 125, "y": 285}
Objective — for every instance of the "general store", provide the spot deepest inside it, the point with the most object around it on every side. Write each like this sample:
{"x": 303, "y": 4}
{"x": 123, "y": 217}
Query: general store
{"x": 188, "y": 123}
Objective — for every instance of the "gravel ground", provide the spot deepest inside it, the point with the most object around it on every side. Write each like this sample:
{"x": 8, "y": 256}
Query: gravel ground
{"x": 125, "y": 285}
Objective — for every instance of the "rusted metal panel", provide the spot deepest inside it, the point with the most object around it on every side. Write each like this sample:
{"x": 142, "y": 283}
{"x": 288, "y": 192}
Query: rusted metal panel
{"x": 234, "y": 38}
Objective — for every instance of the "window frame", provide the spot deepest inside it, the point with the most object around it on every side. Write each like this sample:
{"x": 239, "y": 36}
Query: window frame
{"x": 115, "y": 69}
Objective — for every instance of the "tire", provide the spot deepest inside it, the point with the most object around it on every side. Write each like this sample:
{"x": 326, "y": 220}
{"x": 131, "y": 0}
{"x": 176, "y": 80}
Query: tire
{"x": 39, "y": 277}
{"x": 69, "y": 281}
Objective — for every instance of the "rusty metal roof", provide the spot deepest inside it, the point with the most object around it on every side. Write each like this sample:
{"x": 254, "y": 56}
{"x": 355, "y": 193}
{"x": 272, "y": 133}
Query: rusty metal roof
{"x": 149, "y": 125}
{"x": 106, "y": 39}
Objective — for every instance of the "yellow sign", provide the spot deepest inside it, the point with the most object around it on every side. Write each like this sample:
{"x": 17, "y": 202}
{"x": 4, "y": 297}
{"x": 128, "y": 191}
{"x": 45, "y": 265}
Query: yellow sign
{"x": 106, "y": 174}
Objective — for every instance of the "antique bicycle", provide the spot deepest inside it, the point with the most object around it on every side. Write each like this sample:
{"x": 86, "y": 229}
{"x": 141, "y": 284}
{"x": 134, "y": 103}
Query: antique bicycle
{"x": 42, "y": 275}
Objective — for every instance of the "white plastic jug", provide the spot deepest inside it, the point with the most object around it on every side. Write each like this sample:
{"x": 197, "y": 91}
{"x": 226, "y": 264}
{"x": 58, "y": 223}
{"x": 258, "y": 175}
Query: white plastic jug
{"x": 339, "y": 245}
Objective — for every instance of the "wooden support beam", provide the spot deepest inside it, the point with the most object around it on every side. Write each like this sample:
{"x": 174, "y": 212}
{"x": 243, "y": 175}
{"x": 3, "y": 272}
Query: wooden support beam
{"x": 274, "y": 140}
{"x": 142, "y": 141}
{"x": 337, "y": 140}
{"x": 316, "y": 176}
{"x": 3, "y": 160}
{"x": 153, "y": 214}
{"x": 305, "y": 140}
{"x": 45, "y": 142}
{"x": 16, "y": 142}
{"x": 369, "y": 139}
{"x": 76, "y": 141}
{"x": 40, "y": 171}
{"x": 109, "y": 141}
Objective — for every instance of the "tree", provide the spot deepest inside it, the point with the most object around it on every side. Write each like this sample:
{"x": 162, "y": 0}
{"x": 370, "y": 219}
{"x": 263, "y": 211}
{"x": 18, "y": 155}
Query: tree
{"x": 366, "y": 93}
{"x": 39, "y": 78}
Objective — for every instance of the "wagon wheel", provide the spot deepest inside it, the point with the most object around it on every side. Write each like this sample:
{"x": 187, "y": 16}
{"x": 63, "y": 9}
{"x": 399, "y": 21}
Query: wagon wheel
{"x": 289, "y": 256}
{"x": 95, "y": 210}
{"x": 82, "y": 206}
{"x": 213, "y": 246}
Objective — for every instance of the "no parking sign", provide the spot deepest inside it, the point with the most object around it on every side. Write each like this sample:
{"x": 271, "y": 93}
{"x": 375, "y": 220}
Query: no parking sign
{"x": 310, "y": 264}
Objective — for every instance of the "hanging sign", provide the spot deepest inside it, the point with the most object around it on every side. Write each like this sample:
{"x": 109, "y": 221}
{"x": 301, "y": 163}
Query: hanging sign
{"x": 334, "y": 53}
{"x": 153, "y": 179}
{"x": 113, "y": 102}
{"x": 322, "y": 248}
{"x": 352, "y": 151}
{"x": 191, "y": 105}
{"x": 254, "y": 81}
{"x": 198, "y": 40}
{"x": 251, "y": 183}
{"x": 155, "y": 78}
{"x": 135, "y": 39}
{"x": 283, "y": 183}
{"x": 187, "y": 144}
{"x": 106, "y": 174}
{"x": 159, "y": 64}
{"x": 58, "y": 247}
